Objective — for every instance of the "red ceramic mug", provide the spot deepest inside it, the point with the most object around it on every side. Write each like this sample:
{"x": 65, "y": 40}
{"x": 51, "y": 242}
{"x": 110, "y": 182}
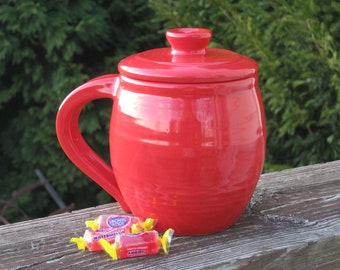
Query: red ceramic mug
{"x": 187, "y": 133}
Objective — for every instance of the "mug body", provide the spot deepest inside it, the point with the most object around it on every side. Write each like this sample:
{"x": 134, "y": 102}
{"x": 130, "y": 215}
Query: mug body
{"x": 188, "y": 155}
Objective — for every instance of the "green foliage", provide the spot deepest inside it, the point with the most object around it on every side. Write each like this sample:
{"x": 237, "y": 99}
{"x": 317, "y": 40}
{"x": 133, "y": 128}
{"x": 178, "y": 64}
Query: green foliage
{"x": 296, "y": 44}
{"x": 47, "y": 49}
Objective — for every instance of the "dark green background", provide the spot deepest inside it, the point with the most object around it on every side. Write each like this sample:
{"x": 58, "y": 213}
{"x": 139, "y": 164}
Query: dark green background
{"x": 47, "y": 48}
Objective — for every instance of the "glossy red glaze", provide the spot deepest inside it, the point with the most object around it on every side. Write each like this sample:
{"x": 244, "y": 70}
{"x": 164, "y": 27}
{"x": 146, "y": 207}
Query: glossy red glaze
{"x": 188, "y": 41}
{"x": 187, "y": 135}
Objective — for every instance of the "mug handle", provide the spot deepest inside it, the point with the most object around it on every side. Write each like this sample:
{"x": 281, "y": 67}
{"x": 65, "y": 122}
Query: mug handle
{"x": 74, "y": 144}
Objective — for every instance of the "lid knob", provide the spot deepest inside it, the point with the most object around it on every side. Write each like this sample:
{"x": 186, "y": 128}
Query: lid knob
{"x": 188, "y": 41}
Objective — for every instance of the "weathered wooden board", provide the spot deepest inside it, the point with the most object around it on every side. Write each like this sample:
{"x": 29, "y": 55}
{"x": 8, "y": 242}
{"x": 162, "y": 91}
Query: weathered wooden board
{"x": 292, "y": 222}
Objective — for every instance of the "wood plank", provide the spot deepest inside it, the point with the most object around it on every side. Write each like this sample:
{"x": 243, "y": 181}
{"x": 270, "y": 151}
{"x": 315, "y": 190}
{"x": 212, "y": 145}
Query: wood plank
{"x": 292, "y": 222}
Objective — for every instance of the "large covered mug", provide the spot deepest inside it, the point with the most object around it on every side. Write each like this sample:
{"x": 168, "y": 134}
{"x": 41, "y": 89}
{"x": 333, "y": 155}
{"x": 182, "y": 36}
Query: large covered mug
{"x": 187, "y": 133}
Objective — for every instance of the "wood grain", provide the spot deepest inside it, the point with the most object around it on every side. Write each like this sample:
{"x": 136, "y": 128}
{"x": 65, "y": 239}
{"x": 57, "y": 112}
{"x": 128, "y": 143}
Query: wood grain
{"x": 292, "y": 222}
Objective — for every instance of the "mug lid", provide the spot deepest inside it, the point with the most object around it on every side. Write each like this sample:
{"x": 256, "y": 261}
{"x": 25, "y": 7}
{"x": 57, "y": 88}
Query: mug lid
{"x": 188, "y": 61}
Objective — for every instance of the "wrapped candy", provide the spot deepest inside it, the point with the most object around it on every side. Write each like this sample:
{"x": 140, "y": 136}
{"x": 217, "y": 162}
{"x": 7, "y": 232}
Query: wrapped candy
{"x": 137, "y": 244}
{"x": 120, "y": 221}
{"x": 91, "y": 237}
{"x": 108, "y": 227}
